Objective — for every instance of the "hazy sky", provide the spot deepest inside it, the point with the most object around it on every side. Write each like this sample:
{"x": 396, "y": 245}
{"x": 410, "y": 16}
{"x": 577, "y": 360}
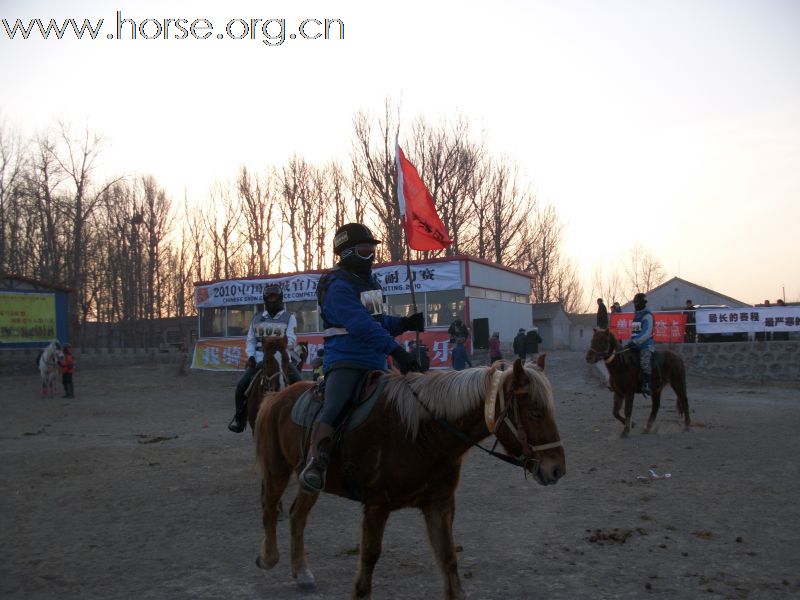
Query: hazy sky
{"x": 674, "y": 124}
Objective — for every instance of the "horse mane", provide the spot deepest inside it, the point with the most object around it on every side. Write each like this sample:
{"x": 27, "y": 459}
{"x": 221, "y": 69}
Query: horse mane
{"x": 452, "y": 394}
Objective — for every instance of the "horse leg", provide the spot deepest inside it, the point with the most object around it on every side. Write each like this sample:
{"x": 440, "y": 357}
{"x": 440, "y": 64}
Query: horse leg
{"x": 272, "y": 489}
{"x": 679, "y": 386}
{"x": 617, "y": 406}
{"x": 439, "y": 521}
{"x": 656, "y": 403}
{"x": 298, "y": 516}
{"x": 628, "y": 414}
{"x": 372, "y": 527}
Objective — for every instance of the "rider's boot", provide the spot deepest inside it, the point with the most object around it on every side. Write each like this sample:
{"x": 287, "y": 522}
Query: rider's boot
{"x": 312, "y": 478}
{"x": 237, "y": 424}
{"x": 646, "y": 383}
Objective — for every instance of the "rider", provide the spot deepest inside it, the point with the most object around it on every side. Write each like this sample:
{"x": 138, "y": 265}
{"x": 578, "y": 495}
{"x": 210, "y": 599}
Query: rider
{"x": 275, "y": 317}
{"x": 642, "y": 337}
{"x": 358, "y": 336}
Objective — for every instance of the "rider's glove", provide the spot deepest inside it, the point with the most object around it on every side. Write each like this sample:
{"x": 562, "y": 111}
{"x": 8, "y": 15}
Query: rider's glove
{"x": 415, "y": 322}
{"x": 404, "y": 360}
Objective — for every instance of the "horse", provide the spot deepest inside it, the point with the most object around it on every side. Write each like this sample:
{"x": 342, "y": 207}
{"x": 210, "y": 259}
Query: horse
{"x": 49, "y": 368}
{"x": 623, "y": 370}
{"x": 274, "y": 375}
{"x": 408, "y": 453}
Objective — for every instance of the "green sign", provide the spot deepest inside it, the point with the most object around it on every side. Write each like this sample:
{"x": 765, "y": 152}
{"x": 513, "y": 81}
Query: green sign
{"x": 27, "y": 317}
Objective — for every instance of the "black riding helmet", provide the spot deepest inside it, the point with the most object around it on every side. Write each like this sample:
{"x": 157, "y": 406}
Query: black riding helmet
{"x": 639, "y": 301}
{"x": 273, "y": 306}
{"x": 350, "y": 236}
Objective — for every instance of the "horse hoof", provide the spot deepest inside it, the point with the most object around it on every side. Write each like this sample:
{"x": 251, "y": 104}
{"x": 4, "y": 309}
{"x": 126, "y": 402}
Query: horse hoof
{"x": 266, "y": 564}
{"x": 305, "y": 581}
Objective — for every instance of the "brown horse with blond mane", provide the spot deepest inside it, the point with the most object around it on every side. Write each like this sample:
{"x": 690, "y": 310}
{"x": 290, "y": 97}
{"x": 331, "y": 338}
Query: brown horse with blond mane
{"x": 408, "y": 453}
{"x": 623, "y": 371}
{"x": 274, "y": 376}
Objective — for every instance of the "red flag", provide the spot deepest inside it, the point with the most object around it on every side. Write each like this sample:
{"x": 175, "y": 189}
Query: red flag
{"x": 423, "y": 226}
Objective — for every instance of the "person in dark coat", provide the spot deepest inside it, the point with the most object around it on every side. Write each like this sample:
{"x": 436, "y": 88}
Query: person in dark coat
{"x": 602, "y": 315}
{"x": 520, "y": 345}
{"x": 457, "y": 330}
{"x": 532, "y": 341}
{"x": 460, "y": 356}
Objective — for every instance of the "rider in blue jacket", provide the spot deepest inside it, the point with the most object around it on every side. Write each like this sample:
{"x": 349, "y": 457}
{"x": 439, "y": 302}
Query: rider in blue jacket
{"x": 358, "y": 337}
{"x": 642, "y": 338}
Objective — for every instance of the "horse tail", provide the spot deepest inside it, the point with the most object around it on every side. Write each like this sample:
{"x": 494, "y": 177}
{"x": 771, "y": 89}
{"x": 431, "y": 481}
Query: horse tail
{"x": 678, "y": 382}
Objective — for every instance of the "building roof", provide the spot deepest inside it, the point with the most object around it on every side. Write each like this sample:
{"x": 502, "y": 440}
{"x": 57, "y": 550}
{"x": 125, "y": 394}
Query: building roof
{"x": 10, "y": 281}
{"x": 546, "y": 310}
{"x": 685, "y": 282}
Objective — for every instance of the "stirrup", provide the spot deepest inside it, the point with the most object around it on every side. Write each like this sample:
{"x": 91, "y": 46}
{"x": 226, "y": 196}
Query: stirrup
{"x": 312, "y": 477}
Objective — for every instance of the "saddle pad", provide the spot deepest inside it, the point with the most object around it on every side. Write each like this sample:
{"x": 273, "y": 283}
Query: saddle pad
{"x": 306, "y": 408}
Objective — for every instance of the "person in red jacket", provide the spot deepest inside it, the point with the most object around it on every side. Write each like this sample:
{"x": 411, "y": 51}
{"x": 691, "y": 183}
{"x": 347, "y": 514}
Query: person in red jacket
{"x": 67, "y": 365}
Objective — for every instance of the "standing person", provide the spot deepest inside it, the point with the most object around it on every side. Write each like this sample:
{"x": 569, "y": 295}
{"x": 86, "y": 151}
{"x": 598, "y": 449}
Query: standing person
{"x": 274, "y": 317}
{"x": 602, "y": 315}
{"x": 520, "y": 345}
{"x": 358, "y": 337}
{"x": 532, "y": 341}
{"x": 460, "y": 356}
{"x": 691, "y": 327}
{"x": 457, "y": 330}
{"x": 616, "y": 308}
{"x": 67, "y": 364}
{"x": 642, "y": 338}
{"x": 494, "y": 348}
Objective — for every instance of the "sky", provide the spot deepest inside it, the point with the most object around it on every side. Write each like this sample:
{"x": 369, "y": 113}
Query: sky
{"x": 675, "y": 125}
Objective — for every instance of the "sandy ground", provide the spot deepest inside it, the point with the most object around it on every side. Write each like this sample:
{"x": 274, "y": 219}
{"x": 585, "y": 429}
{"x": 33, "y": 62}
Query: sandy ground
{"x": 136, "y": 489}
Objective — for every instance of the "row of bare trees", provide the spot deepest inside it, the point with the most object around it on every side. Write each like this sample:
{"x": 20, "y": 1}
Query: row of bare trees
{"x": 130, "y": 252}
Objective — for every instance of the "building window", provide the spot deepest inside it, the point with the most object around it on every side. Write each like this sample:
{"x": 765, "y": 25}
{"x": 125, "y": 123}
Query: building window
{"x": 212, "y": 322}
{"x": 306, "y": 313}
{"x": 400, "y": 304}
{"x": 239, "y": 319}
{"x": 444, "y": 307}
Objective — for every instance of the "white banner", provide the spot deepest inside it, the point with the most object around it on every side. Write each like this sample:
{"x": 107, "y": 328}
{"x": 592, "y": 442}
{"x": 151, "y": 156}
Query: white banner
{"x": 430, "y": 277}
{"x": 732, "y": 320}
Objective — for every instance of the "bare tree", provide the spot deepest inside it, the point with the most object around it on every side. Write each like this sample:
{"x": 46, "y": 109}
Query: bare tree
{"x": 258, "y": 202}
{"x": 643, "y": 270}
{"x": 373, "y": 158}
{"x": 12, "y": 164}
{"x": 220, "y": 226}
{"x": 609, "y": 287}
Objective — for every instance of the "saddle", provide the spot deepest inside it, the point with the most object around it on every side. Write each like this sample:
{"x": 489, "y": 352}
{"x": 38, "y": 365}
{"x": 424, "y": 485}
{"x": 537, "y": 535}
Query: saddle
{"x": 365, "y": 394}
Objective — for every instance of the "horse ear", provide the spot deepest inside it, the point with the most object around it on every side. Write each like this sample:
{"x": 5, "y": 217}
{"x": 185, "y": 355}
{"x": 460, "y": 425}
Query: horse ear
{"x": 540, "y": 361}
{"x": 520, "y": 378}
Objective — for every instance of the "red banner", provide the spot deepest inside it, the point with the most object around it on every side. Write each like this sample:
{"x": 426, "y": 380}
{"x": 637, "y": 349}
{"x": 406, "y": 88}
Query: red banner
{"x": 669, "y": 327}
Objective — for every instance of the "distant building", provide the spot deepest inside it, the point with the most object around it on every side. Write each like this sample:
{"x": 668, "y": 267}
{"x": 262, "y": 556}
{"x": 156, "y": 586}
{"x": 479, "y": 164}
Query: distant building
{"x": 673, "y": 294}
{"x": 554, "y": 325}
{"x": 32, "y": 312}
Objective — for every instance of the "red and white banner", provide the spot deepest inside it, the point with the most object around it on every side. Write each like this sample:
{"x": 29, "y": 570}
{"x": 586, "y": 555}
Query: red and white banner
{"x": 228, "y": 354}
{"x": 668, "y": 327}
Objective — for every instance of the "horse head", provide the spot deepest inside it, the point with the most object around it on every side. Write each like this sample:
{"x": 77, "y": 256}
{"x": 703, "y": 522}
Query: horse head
{"x": 526, "y": 424}
{"x": 602, "y": 346}
{"x": 275, "y": 368}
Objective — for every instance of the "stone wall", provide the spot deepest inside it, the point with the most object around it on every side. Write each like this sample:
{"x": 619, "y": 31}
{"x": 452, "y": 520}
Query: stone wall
{"x": 23, "y": 361}
{"x": 742, "y": 360}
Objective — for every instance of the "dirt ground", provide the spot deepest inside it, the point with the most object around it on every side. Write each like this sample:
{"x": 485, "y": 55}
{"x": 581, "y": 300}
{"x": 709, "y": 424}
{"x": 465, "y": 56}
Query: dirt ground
{"x": 137, "y": 489}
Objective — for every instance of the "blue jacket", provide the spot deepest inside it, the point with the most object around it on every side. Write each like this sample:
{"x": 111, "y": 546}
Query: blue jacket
{"x": 460, "y": 358}
{"x": 642, "y": 329}
{"x": 368, "y": 339}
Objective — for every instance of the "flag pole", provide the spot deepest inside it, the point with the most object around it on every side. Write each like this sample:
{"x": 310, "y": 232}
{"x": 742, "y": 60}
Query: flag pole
{"x": 410, "y": 275}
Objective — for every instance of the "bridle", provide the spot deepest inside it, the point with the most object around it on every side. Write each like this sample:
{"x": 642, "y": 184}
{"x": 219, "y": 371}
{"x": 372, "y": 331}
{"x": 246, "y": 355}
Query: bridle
{"x": 266, "y": 380}
{"x": 526, "y": 459}
{"x": 508, "y": 415}
{"x": 608, "y": 357}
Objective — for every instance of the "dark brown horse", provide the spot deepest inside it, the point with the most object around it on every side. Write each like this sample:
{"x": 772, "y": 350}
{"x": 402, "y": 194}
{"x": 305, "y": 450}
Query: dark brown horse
{"x": 274, "y": 375}
{"x": 623, "y": 370}
{"x": 404, "y": 455}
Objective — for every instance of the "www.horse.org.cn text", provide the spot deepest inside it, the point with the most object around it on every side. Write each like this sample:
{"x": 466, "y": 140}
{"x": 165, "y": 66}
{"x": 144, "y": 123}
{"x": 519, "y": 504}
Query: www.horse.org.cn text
{"x": 271, "y": 31}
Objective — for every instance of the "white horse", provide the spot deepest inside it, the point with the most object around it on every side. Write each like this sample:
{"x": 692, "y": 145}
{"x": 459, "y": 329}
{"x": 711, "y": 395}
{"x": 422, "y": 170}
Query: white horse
{"x": 48, "y": 368}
